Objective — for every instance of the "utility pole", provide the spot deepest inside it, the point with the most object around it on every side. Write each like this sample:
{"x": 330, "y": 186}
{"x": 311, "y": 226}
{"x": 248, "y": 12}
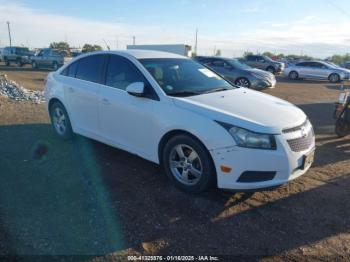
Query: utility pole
{"x": 133, "y": 40}
{"x": 9, "y": 30}
{"x": 196, "y": 42}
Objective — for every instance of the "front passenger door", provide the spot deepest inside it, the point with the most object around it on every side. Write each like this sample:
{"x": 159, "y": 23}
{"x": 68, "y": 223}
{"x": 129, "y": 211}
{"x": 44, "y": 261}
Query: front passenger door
{"x": 126, "y": 121}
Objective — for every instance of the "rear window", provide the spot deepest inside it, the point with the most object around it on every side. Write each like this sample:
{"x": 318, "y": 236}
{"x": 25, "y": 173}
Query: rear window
{"x": 90, "y": 68}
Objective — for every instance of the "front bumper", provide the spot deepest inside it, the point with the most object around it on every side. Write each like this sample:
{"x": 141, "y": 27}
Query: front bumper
{"x": 264, "y": 83}
{"x": 285, "y": 163}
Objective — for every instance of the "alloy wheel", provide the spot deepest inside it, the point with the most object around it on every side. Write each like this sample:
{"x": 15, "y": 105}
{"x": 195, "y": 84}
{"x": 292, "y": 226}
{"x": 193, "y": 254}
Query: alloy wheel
{"x": 59, "y": 121}
{"x": 185, "y": 164}
{"x": 242, "y": 82}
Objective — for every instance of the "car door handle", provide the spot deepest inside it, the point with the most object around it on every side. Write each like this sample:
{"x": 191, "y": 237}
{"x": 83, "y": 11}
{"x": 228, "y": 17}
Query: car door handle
{"x": 105, "y": 101}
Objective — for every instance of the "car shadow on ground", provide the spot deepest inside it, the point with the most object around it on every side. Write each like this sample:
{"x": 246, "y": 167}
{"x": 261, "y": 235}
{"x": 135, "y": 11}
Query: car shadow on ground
{"x": 83, "y": 197}
{"x": 284, "y": 79}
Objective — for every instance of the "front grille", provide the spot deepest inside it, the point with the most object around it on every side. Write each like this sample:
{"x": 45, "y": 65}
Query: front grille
{"x": 294, "y": 129}
{"x": 301, "y": 143}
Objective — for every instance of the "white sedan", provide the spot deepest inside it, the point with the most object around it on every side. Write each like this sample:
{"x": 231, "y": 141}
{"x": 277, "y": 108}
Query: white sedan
{"x": 173, "y": 111}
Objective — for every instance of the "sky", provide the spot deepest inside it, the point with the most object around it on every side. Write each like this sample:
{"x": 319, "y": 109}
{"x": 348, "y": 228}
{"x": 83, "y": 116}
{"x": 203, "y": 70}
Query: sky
{"x": 313, "y": 27}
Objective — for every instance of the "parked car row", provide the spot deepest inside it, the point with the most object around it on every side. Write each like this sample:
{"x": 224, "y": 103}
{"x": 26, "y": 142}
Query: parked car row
{"x": 45, "y": 58}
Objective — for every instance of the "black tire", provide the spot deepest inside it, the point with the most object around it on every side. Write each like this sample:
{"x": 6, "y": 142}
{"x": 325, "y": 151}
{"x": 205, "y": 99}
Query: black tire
{"x": 68, "y": 131}
{"x": 19, "y": 62}
{"x": 342, "y": 128}
{"x": 242, "y": 82}
{"x": 334, "y": 78}
{"x": 34, "y": 65}
{"x": 54, "y": 66}
{"x": 293, "y": 75}
{"x": 271, "y": 69}
{"x": 207, "y": 178}
{"x": 7, "y": 62}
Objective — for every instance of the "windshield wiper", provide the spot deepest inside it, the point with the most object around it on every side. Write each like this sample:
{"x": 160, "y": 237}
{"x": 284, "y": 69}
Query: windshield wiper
{"x": 184, "y": 93}
{"x": 217, "y": 90}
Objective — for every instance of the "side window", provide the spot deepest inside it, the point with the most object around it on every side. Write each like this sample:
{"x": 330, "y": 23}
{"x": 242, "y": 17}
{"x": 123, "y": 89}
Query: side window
{"x": 218, "y": 63}
{"x": 260, "y": 59}
{"x": 90, "y": 68}
{"x": 121, "y": 73}
{"x": 306, "y": 64}
{"x": 251, "y": 58}
{"x": 70, "y": 70}
{"x": 46, "y": 52}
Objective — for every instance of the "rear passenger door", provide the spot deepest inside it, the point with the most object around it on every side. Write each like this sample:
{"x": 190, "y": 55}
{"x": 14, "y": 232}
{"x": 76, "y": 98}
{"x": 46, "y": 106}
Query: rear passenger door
{"x": 81, "y": 91}
{"x": 126, "y": 121}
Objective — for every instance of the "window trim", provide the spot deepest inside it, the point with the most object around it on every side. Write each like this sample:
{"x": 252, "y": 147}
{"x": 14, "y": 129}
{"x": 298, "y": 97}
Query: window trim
{"x": 101, "y": 80}
{"x": 152, "y": 93}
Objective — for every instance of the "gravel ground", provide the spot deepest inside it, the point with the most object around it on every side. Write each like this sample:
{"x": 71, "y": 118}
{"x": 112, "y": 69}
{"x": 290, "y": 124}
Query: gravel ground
{"x": 83, "y": 197}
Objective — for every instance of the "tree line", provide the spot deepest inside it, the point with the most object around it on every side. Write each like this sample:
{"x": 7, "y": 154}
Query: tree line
{"x": 64, "y": 47}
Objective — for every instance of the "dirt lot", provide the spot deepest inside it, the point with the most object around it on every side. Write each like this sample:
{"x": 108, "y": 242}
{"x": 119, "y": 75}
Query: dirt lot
{"x": 83, "y": 197}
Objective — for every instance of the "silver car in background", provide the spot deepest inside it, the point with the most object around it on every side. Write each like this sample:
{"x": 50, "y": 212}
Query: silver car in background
{"x": 238, "y": 73}
{"x": 317, "y": 70}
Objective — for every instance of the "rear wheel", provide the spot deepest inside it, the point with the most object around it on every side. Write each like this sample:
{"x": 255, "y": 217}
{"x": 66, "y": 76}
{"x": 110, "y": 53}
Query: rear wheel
{"x": 60, "y": 121}
{"x": 293, "y": 75}
{"x": 242, "y": 82}
{"x": 334, "y": 78}
{"x": 188, "y": 164}
{"x": 54, "y": 66}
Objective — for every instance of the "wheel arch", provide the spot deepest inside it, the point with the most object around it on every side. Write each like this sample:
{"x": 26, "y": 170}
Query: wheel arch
{"x": 172, "y": 133}
{"x": 334, "y": 73}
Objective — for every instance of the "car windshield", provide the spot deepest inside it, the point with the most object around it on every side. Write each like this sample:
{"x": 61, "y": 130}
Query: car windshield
{"x": 238, "y": 64}
{"x": 184, "y": 77}
{"x": 332, "y": 65}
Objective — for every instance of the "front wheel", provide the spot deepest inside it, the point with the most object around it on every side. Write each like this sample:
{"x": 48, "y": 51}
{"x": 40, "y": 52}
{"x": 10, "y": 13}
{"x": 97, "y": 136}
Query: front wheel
{"x": 19, "y": 63}
{"x": 342, "y": 128}
{"x": 293, "y": 75}
{"x": 188, "y": 164}
{"x": 242, "y": 82}
{"x": 60, "y": 121}
{"x": 334, "y": 78}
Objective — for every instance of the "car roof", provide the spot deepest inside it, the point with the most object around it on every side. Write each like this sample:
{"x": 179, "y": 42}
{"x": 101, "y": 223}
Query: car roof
{"x": 141, "y": 54}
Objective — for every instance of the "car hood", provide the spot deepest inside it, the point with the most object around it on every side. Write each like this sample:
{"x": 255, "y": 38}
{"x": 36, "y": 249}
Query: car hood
{"x": 245, "y": 108}
{"x": 261, "y": 73}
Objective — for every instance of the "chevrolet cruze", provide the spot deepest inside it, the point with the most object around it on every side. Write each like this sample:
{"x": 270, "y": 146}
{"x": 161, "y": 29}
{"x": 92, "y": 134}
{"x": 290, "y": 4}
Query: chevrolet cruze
{"x": 175, "y": 112}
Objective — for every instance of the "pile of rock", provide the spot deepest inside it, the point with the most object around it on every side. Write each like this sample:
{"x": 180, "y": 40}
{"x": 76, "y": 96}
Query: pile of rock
{"x": 12, "y": 90}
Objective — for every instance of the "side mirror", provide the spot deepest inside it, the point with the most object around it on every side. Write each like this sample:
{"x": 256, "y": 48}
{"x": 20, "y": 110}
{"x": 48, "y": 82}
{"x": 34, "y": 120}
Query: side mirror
{"x": 136, "y": 89}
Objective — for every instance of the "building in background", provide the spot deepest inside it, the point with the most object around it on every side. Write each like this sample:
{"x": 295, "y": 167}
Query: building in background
{"x": 179, "y": 49}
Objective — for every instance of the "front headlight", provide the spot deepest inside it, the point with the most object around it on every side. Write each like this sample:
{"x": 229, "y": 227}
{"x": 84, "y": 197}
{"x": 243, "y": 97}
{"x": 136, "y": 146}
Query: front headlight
{"x": 250, "y": 139}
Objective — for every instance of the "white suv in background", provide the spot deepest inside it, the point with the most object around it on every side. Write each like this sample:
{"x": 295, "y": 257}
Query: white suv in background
{"x": 175, "y": 112}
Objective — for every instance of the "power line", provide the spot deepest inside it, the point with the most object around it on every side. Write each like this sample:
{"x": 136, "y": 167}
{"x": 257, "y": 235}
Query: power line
{"x": 9, "y": 31}
{"x": 342, "y": 10}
